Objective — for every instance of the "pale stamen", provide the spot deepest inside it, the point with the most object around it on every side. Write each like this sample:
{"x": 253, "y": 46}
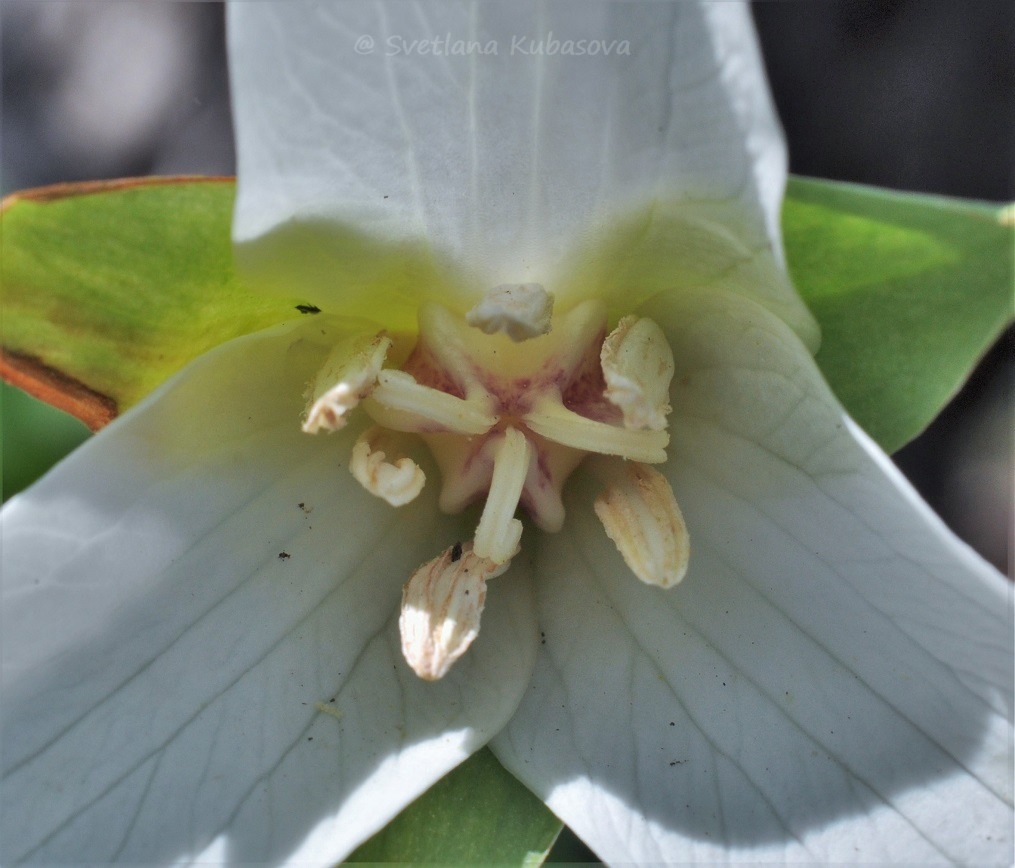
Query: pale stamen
{"x": 552, "y": 420}
{"x": 499, "y": 533}
{"x": 641, "y": 516}
{"x": 638, "y": 365}
{"x": 441, "y": 606}
{"x": 397, "y": 480}
{"x": 349, "y": 374}
{"x": 400, "y": 403}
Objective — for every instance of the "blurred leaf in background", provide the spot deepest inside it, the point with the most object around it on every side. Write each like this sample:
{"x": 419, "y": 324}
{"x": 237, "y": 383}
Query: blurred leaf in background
{"x": 34, "y": 436}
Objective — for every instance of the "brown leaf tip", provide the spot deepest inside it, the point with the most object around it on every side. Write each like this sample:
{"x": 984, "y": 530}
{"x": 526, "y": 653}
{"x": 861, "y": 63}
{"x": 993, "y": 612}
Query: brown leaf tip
{"x": 65, "y": 190}
{"x": 57, "y": 389}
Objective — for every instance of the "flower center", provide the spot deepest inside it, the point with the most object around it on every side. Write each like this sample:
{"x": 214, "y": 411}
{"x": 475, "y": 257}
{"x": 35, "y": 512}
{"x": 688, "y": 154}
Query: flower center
{"x": 509, "y": 408}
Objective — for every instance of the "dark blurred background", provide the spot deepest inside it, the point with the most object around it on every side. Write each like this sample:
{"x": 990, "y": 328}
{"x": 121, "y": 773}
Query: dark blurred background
{"x": 911, "y": 94}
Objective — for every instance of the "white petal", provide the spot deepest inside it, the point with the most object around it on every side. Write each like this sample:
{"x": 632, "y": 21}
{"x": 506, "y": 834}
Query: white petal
{"x": 496, "y": 134}
{"x": 165, "y": 668}
{"x": 832, "y": 682}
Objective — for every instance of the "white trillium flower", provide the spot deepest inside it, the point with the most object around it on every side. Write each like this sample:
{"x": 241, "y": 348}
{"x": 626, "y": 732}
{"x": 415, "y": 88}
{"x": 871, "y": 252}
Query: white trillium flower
{"x": 831, "y": 681}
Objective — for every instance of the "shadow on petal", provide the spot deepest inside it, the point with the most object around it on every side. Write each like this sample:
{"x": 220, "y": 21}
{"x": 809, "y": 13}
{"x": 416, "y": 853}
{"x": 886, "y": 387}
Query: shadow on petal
{"x": 831, "y": 681}
{"x": 203, "y": 647}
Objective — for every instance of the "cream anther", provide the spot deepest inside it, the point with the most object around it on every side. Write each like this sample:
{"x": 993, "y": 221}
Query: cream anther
{"x": 638, "y": 366}
{"x": 349, "y": 374}
{"x": 641, "y": 516}
{"x": 520, "y": 310}
{"x": 441, "y": 606}
{"x": 395, "y": 480}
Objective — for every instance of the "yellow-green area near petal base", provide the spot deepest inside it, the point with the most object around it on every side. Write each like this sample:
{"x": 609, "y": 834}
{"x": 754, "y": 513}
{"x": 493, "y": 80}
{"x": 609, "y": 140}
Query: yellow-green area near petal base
{"x": 110, "y": 288}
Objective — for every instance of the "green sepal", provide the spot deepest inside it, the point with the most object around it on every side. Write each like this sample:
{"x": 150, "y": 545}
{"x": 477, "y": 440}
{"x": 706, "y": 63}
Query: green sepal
{"x": 115, "y": 286}
{"x": 477, "y": 815}
{"x": 909, "y": 290}
{"x": 33, "y": 437}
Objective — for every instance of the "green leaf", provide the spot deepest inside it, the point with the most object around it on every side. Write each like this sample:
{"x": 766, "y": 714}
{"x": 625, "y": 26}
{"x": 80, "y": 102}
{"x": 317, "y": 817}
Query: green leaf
{"x": 118, "y": 285}
{"x": 34, "y": 437}
{"x": 478, "y": 815}
{"x": 909, "y": 290}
